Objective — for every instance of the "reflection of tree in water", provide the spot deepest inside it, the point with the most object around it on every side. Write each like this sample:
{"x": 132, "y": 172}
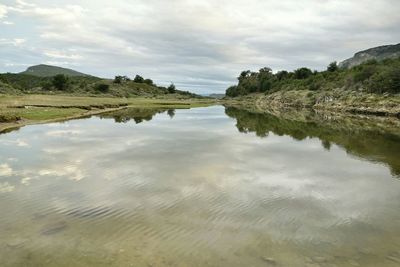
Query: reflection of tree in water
{"x": 171, "y": 113}
{"x": 365, "y": 141}
{"x": 137, "y": 114}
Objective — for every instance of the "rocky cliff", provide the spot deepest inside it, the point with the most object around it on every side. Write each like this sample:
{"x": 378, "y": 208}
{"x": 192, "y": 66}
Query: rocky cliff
{"x": 378, "y": 53}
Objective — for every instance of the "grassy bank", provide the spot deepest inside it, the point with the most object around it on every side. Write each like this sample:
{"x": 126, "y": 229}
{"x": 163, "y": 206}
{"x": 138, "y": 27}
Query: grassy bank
{"x": 17, "y": 111}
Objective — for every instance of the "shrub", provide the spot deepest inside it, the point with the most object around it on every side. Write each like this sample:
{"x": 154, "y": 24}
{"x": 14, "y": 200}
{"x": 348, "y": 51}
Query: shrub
{"x": 102, "y": 87}
{"x": 364, "y": 73}
{"x": 387, "y": 81}
{"x": 148, "y": 81}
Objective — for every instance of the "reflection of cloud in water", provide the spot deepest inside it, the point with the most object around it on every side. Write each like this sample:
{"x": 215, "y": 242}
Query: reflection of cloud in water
{"x": 281, "y": 187}
{"x": 26, "y": 180}
{"x": 5, "y": 170}
{"x": 6, "y": 187}
{"x": 60, "y": 133}
{"x": 18, "y": 142}
{"x": 72, "y": 172}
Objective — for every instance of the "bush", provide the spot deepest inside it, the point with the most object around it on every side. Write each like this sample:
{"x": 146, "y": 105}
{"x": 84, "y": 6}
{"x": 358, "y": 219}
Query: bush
{"x": 148, "y": 81}
{"x": 385, "y": 82}
{"x": 102, "y": 87}
{"x": 364, "y": 72}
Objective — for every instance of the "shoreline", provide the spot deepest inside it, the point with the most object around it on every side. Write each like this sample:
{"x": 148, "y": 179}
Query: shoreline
{"x": 20, "y": 111}
{"x": 337, "y": 101}
{"x": 9, "y": 126}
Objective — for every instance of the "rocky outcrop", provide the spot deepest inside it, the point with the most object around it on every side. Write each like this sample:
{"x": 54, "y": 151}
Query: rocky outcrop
{"x": 378, "y": 53}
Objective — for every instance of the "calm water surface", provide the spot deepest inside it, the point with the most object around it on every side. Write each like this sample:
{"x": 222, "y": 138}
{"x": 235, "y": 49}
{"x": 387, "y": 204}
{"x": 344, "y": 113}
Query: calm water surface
{"x": 200, "y": 187}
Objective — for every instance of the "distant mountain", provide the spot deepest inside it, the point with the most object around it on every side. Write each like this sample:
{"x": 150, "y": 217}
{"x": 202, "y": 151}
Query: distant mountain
{"x": 378, "y": 53}
{"x": 48, "y": 71}
{"x": 218, "y": 96}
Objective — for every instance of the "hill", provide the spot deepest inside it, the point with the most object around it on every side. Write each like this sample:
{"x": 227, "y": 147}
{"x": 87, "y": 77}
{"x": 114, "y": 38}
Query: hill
{"x": 121, "y": 86}
{"x": 377, "y": 53}
{"x": 43, "y": 70}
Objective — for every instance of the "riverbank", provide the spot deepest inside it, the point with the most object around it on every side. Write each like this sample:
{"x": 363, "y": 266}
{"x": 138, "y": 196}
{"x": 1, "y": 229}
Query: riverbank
{"x": 18, "y": 111}
{"x": 341, "y": 101}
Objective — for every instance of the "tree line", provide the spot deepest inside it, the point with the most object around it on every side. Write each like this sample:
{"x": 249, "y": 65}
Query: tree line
{"x": 371, "y": 76}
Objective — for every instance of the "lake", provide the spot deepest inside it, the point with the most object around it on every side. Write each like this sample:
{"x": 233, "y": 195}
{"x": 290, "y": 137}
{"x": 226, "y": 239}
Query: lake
{"x": 208, "y": 186}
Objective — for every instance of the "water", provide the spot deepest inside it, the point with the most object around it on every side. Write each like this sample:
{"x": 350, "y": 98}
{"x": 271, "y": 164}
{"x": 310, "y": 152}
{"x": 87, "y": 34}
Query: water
{"x": 200, "y": 187}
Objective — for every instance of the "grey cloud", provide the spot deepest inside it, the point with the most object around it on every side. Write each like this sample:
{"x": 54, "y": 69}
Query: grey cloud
{"x": 199, "y": 45}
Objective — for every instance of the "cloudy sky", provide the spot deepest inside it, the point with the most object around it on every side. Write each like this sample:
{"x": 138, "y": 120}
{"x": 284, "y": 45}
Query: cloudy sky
{"x": 200, "y": 45}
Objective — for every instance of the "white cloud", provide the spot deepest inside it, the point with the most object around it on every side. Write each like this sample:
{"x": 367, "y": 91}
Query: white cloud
{"x": 6, "y": 22}
{"x": 62, "y": 55}
{"x": 11, "y": 64}
{"x": 3, "y": 11}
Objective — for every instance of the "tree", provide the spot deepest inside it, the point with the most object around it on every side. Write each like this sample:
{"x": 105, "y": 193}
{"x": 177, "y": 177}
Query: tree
{"x": 332, "y": 67}
{"x": 265, "y": 70}
{"x": 265, "y": 79}
{"x": 243, "y": 75}
{"x": 138, "y": 79}
{"x": 171, "y": 113}
{"x": 171, "y": 89}
{"x": 232, "y": 91}
{"x": 282, "y": 75}
{"x": 118, "y": 79}
{"x": 121, "y": 79}
{"x": 302, "y": 73}
{"x": 60, "y": 82}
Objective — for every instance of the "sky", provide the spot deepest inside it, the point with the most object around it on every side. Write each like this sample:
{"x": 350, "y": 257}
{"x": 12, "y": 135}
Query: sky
{"x": 200, "y": 46}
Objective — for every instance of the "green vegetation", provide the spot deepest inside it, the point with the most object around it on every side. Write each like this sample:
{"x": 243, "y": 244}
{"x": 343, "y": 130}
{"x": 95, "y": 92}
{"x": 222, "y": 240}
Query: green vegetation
{"x": 371, "y": 76}
{"x": 60, "y": 82}
{"x": 121, "y": 86}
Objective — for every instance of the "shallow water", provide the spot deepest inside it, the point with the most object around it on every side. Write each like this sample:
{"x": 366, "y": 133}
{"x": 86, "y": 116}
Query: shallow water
{"x": 199, "y": 187}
